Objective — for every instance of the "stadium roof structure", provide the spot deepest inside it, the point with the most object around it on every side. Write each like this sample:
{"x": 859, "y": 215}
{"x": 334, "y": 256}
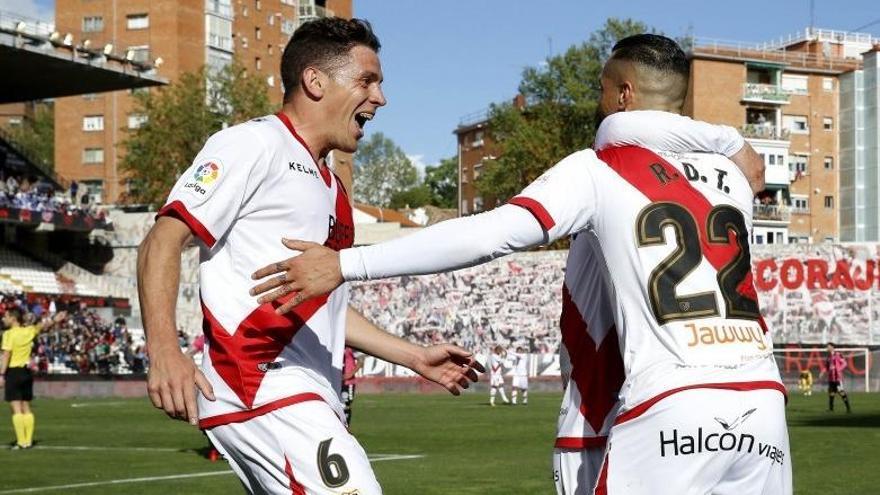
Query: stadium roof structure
{"x": 37, "y": 66}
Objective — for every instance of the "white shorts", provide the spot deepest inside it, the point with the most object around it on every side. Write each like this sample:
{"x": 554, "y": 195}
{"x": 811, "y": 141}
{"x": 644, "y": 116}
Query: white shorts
{"x": 723, "y": 442}
{"x": 303, "y": 449}
{"x": 496, "y": 381}
{"x": 520, "y": 382}
{"x": 575, "y": 470}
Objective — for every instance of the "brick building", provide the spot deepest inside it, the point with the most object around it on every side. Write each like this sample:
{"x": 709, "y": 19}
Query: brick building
{"x": 186, "y": 35}
{"x": 785, "y": 97}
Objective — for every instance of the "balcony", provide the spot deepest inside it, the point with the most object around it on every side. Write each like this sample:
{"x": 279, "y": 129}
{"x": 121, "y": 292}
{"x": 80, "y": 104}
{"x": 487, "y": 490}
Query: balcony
{"x": 771, "y": 213}
{"x": 765, "y": 93}
{"x": 765, "y": 131}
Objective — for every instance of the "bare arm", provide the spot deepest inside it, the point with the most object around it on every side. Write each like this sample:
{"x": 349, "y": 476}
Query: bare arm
{"x": 449, "y": 366}
{"x": 4, "y": 363}
{"x": 173, "y": 377}
{"x": 752, "y": 165}
{"x": 47, "y": 323}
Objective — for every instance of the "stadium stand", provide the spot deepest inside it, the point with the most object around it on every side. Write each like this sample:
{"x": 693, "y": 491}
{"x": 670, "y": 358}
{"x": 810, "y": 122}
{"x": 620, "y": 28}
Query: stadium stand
{"x": 22, "y": 274}
{"x": 84, "y": 342}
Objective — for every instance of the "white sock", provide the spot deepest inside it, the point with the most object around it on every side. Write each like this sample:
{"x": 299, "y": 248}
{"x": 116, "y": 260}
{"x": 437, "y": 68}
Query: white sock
{"x": 513, "y": 394}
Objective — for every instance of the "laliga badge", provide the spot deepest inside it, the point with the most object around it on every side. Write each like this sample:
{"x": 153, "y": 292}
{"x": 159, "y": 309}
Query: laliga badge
{"x": 205, "y": 177}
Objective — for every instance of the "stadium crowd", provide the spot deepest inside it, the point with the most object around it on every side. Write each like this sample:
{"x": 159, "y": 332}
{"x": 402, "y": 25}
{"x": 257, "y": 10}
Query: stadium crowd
{"x": 813, "y": 315}
{"x": 83, "y": 342}
{"x": 513, "y": 301}
{"x": 29, "y": 193}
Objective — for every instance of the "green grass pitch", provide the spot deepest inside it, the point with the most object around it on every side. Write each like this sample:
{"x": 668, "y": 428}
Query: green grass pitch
{"x": 466, "y": 447}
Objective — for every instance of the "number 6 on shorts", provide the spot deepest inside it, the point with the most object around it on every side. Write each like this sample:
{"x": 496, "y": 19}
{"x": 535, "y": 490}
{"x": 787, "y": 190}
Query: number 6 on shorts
{"x": 334, "y": 472}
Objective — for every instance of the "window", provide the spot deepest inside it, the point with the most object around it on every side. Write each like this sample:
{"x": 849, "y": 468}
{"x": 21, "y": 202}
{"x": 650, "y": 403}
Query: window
{"x": 796, "y": 124}
{"x": 270, "y": 20}
{"x": 478, "y": 203}
{"x": 136, "y": 120}
{"x": 258, "y": 34}
{"x": 93, "y": 123}
{"x": 220, "y": 33}
{"x": 138, "y": 54}
{"x": 829, "y": 163}
{"x": 829, "y": 202}
{"x": 139, "y": 91}
{"x": 270, "y": 81}
{"x": 93, "y": 24}
{"x": 14, "y": 121}
{"x": 828, "y": 124}
{"x": 794, "y": 83}
{"x": 270, "y": 48}
{"x": 800, "y": 204}
{"x": 258, "y": 63}
{"x": 94, "y": 188}
{"x": 90, "y": 96}
{"x": 772, "y": 160}
{"x": 288, "y": 27}
{"x": 137, "y": 21}
{"x": 93, "y": 155}
{"x": 759, "y": 239}
{"x": 244, "y": 41}
{"x": 828, "y": 84}
{"x": 244, "y": 11}
{"x": 797, "y": 164}
{"x": 478, "y": 139}
{"x": 259, "y": 5}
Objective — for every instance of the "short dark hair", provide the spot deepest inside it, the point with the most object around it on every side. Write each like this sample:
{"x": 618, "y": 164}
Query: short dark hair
{"x": 320, "y": 43}
{"x": 654, "y": 51}
{"x": 15, "y": 312}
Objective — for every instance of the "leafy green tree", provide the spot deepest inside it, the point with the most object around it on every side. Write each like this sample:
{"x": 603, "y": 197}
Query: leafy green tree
{"x": 35, "y": 137}
{"x": 180, "y": 118}
{"x": 381, "y": 170}
{"x": 559, "y": 116}
{"x": 442, "y": 181}
{"x": 413, "y": 197}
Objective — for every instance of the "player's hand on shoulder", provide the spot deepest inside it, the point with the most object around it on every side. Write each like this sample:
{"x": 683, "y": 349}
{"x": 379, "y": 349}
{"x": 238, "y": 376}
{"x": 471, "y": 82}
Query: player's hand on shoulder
{"x": 312, "y": 273}
{"x": 449, "y": 366}
{"x": 172, "y": 382}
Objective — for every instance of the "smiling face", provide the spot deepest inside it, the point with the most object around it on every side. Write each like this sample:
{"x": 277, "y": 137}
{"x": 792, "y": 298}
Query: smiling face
{"x": 352, "y": 96}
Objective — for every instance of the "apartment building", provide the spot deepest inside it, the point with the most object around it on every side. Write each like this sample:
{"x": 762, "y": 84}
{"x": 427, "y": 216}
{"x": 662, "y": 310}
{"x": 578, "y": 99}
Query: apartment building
{"x": 176, "y": 36}
{"x": 860, "y": 151}
{"x": 784, "y": 96}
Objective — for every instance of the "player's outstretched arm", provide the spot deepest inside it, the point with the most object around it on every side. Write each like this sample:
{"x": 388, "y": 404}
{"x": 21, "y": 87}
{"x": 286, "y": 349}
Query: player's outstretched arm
{"x": 173, "y": 377}
{"x": 447, "y": 365}
{"x": 450, "y": 245}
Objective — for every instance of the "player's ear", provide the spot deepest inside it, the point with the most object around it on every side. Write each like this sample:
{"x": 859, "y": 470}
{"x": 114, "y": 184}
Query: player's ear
{"x": 313, "y": 81}
{"x": 625, "y": 95}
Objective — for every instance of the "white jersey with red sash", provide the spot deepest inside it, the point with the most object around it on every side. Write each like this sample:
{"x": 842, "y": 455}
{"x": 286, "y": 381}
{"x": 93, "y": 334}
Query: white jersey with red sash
{"x": 251, "y": 185}
{"x": 667, "y": 236}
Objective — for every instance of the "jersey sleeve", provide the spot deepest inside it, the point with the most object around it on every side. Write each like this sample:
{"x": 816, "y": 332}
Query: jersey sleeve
{"x": 210, "y": 193}
{"x": 668, "y": 132}
{"x": 564, "y": 199}
{"x": 6, "y": 343}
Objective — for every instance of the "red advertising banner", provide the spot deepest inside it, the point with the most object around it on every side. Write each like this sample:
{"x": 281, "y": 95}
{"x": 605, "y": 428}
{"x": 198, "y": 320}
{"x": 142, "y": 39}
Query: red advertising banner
{"x": 818, "y": 293}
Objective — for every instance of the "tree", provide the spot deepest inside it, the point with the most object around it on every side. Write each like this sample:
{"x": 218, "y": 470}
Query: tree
{"x": 413, "y": 197}
{"x": 35, "y": 137}
{"x": 381, "y": 170}
{"x": 559, "y": 116}
{"x": 442, "y": 181}
{"x": 179, "y": 119}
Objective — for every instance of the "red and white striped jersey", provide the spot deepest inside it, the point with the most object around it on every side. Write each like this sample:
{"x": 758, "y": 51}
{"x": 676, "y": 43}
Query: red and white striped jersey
{"x": 251, "y": 185}
{"x": 658, "y": 292}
